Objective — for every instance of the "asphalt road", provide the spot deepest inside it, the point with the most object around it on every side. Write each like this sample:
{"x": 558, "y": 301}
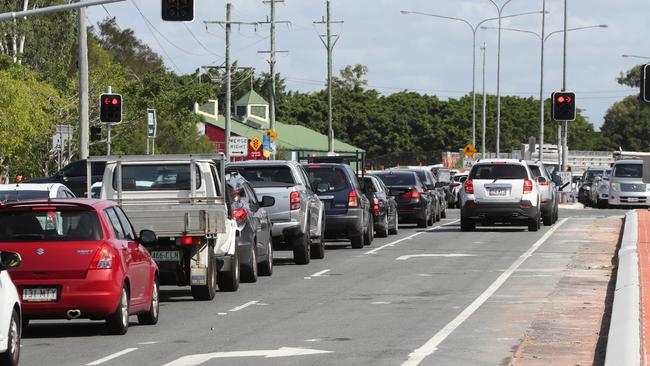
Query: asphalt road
{"x": 422, "y": 297}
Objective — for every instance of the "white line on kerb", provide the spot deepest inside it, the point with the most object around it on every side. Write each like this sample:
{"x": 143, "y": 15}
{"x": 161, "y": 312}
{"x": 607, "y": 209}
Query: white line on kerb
{"x": 240, "y": 307}
{"x": 318, "y": 274}
{"x": 432, "y": 344}
{"x": 408, "y": 238}
{"x": 110, "y": 357}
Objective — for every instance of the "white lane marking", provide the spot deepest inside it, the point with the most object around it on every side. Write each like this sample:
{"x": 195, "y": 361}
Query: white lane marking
{"x": 409, "y": 237}
{"x": 318, "y": 274}
{"x": 194, "y": 360}
{"x": 110, "y": 357}
{"x": 417, "y": 356}
{"x": 307, "y": 278}
{"x": 222, "y": 313}
{"x": 148, "y": 343}
{"x": 381, "y": 303}
{"x": 452, "y": 255}
{"x": 240, "y": 307}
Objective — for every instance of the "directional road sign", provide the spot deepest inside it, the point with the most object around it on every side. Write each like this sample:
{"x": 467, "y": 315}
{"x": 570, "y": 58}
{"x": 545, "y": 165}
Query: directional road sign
{"x": 469, "y": 150}
{"x": 238, "y": 146}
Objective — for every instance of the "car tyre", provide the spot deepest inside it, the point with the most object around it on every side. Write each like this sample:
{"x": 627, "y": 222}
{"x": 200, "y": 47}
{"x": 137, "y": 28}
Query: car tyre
{"x": 301, "y": 248}
{"x": 443, "y": 214}
{"x": 548, "y": 219}
{"x": 370, "y": 233}
{"x": 249, "y": 270}
{"x": 265, "y": 268}
{"x": 208, "y": 291}
{"x": 382, "y": 230}
{"x": 318, "y": 248}
{"x": 118, "y": 322}
{"x": 228, "y": 281}
{"x": 533, "y": 224}
{"x": 12, "y": 355}
{"x": 422, "y": 223}
{"x": 150, "y": 317}
{"x": 395, "y": 229}
{"x": 467, "y": 225}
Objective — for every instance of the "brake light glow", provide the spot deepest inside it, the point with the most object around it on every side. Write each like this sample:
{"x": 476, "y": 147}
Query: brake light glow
{"x": 499, "y": 163}
{"x": 239, "y": 214}
{"x": 469, "y": 186}
{"x": 102, "y": 259}
{"x": 413, "y": 194}
{"x": 528, "y": 186}
{"x": 190, "y": 240}
{"x": 353, "y": 200}
{"x": 44, "y": 208}
{"x": 375, "y": 207}
{"x": 294, "y": 201}
{"x": 314, "y": 167}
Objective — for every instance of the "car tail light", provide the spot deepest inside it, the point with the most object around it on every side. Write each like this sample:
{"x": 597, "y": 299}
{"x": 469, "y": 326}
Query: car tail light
{"x": 192, "y": 240}
{"x": 375, "y": 207}
{"x": 294, "y": 201}
{"x": 353, "y": 200}
{"x": 469, "y": 186}
{"x": 103, "y": 258}
{"x": 413, "y": 194}
{"x": 528, "y": 186}
{"x": 43, "y": 208}
{"x": 239, "y": 214}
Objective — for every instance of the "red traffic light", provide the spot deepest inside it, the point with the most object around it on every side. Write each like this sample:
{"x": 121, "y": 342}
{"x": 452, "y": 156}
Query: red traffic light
{"x": 560, "y": 99}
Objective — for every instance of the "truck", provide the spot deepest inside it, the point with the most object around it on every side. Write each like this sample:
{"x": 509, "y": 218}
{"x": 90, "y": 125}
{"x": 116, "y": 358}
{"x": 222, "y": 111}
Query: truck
{"x": 181, "y": 198}
{"x": 298, "y": 218}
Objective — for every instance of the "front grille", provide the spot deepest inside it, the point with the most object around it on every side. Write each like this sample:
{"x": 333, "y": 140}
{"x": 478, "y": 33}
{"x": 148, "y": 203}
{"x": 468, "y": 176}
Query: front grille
{"x": 633, "y": 200}
{"x": 627, "y": 187}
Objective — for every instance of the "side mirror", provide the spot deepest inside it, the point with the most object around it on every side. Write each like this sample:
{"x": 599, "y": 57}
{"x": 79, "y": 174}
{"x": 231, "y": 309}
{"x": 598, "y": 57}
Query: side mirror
{"x": 267, "y": 201}
{"x": 606, "y": 178}
{"x": 542, "y": 180}
{"x": 322, "y": 187}
{"x": 148, "y": 237}
{"x": 440, "y": 184}
{"x": 9, "y": 260}
{"x": 462, "y": 179}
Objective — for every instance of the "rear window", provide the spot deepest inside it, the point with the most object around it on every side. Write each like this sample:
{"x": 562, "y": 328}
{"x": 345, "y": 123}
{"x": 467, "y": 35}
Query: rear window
{"x": 397, "y": 179}
{"x": 628, "y": 170}
{"x": 534, "y": 169}
{"x": 13, "y": 196}
{"x": 498, "y": 171}
{"x": 50, "y": 225}
{"x": 327, "y": 179}
{"x": 423, "y": 176}
{"x": 167, "y": 177}
{"x": 275, "y": 174}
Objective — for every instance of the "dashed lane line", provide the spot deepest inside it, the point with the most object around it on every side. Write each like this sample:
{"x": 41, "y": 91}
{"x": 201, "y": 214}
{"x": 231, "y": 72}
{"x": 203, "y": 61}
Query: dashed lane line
{"x": 111, "y": 357}
{"x": 417, "y": 356}
{"x": 250, "y": 303}
{"x": 374, "y": 251}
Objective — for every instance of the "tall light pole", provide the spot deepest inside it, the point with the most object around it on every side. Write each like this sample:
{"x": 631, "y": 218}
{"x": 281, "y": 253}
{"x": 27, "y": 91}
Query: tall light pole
{"x": 636, "y": 56}
{"x": 483, "y": 117}
{"x": 474, "y": 29}
{"x": 543, "y": 38}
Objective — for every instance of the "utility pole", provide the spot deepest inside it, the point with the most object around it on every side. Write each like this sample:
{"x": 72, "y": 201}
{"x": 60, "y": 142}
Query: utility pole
{"x": 272, "y": 61}
{"x": 83, "y": 86}
{"x": 329, "y": 45}
{"x": 541, "y": 85}
{"x": 228, "y": 23}
{"x": 483, "y": 152}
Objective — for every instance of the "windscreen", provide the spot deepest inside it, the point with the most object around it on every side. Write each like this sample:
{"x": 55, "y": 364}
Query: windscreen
{"x": 498, "y": 171}
{"x": 49, "y": 224}
{"x": 397, "y": 179}
{"x": 422, "y": 175}
{"x": 275, "y": 174}
{"x": 628, "y": 170}
{"x": 592, "y": 174}
{"x": 327, "y": 179}
{"x": 156, "y": 177}
{"x": 444, "y": 176}
{"x": 13, "y": 196}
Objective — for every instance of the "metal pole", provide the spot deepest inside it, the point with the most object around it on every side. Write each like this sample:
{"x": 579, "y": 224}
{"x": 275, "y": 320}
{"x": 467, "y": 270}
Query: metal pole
{"x": 108, "y": 129}
{"x": 565, "y": 147}
{"x": 228, "y": 81}
{"x": 483, "y": 151}
{"x": 330, "y": 132}
{"x": 272, "y": 63}
{"x": 541, "y": 85}
{"x": 54, "y": 9}
{"x": 148, "y": 145}
{"x": 153, "y": 146}
{"x": 474, "y": 88}
{"x": 498, "y": 149}
{"x": 83, "y": 86}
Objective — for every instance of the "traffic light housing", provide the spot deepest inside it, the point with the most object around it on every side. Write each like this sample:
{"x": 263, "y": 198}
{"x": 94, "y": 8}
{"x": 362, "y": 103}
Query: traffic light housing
{"x": 645, "y": 83}
{"x": 178, "y": 10}
{"x": 564, "y": 106}
{"x": 95, "y": 133}
{"x": 110, "y": 108}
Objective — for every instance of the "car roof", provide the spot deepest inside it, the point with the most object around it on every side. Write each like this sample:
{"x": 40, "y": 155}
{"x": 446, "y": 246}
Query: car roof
{"x": 261, "y": 163}
{"x": 96, "y": 204}
{"x": 507, "y": 161}
{"x": 629, "y": 161}
{"x": 31, "y": 186}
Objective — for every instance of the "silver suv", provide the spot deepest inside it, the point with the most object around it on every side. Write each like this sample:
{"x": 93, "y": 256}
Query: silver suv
{"x": 547, "y": 190}
{"x": 626, "y": 185}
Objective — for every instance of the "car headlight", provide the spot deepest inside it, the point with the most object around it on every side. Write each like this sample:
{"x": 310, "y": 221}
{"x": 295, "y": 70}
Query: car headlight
{"x": 647, "y": 187}
{"x": 616, "y": 186}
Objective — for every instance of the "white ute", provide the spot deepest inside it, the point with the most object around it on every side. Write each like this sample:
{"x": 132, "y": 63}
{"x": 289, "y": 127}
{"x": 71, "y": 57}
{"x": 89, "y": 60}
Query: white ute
{"x": 180, "y": 197}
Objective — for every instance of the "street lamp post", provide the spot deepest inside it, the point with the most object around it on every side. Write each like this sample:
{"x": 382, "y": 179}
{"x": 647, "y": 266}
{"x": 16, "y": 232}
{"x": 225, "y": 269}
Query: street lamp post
{"x": 543, "y": 38}
{"x": 474, "y": 29}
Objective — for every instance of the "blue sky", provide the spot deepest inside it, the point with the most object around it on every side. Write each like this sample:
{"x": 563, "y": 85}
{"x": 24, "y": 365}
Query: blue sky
{"x": 424, "y": 54}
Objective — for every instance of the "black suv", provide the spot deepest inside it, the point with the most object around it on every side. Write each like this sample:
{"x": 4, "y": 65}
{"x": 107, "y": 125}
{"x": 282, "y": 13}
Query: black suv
{"x": 74, "y": 177}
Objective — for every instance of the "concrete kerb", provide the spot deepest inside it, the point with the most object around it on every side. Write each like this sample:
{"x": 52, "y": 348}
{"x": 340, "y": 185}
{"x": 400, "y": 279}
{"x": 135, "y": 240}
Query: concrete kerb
{"x": 624, "y": 339}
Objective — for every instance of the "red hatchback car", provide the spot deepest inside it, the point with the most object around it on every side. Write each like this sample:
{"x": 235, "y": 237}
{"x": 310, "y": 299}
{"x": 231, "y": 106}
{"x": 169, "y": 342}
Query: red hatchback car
{"x": 81, "y": 259}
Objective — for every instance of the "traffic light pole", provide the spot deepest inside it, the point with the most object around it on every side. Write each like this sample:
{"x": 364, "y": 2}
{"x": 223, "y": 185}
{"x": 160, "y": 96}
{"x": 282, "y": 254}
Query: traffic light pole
{"x": 565, "y": 146}
{"x": 108, "y": 130}
{"x": 83, "y": 86}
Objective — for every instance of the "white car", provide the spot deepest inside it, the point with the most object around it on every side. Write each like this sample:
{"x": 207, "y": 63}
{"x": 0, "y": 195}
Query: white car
{"x": 10, "y": 312}
{"x": 29, "y": 191}
{"x": 500, "y": 190}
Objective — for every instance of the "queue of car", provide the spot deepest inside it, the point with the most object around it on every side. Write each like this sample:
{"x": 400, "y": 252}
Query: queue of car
{"x": 620, "y": 185}
{"x": 192, "y": 220}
